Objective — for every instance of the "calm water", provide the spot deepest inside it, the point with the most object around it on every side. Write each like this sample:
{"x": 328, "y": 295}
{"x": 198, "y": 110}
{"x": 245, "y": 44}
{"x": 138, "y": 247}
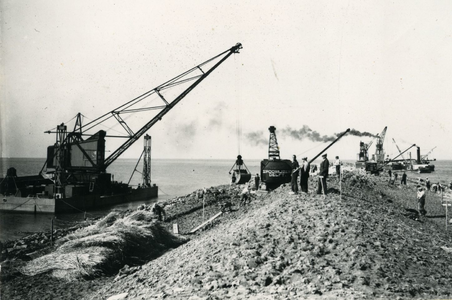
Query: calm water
{"x": 173, "y": 177}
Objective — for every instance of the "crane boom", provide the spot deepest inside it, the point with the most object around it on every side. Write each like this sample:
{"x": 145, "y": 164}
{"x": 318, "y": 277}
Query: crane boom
{"x": 168, "y": 106}
{"x": 398, "y": 149}
{"x": 430, "y": 152}
{"x": 88, "y": 154}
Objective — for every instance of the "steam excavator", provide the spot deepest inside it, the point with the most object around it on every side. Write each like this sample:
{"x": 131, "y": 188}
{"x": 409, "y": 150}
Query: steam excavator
{"x": 275, "y": 171}
{"x": 75, "y": 177}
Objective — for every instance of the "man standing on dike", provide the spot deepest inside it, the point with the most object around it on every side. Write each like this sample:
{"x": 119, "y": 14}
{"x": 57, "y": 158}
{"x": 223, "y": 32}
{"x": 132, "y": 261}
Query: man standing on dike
{"x": 403, "y": 181}
{"x": 323, "y": 175}
{"x": 338, "y": 166}
{"x": 421, "y": 201}
{"x": 294, "y": 181}
{"x": 427, "y": 184}
{"x": 304, "y": 174}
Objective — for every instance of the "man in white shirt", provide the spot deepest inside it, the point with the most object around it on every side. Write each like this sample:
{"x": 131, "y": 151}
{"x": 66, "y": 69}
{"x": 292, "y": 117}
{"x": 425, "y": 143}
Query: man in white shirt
{"x": 338, "y": 163}
{"x": 421, "y": 201}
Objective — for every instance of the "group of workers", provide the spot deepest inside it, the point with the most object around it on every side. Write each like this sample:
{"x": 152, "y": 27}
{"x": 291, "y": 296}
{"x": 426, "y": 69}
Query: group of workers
{"x": 303, "y": 171}
{"x": 421, "y": 189}
{"x": 393, "y": 178}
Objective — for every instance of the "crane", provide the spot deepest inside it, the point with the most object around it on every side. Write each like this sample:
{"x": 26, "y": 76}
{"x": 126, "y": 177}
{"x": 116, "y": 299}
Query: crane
{"x": 364, "y": 148}
{"x": 379, "y": 152}
{"x": 425, "y": 157}
{"x": 400, "y": 152}
{"x": 73, "y": 155}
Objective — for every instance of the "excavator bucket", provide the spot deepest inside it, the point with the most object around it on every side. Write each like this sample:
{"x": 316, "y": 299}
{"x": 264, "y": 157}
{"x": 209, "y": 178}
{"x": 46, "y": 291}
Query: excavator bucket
{"x": 241, "y": 174}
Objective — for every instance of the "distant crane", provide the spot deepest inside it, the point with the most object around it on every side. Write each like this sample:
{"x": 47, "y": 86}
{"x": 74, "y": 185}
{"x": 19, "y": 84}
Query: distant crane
{"x": 425, "y": 157}
{"x": 363, "y": 150}
{"x": 400, "y": 152}
{"x": 379, "y": 152}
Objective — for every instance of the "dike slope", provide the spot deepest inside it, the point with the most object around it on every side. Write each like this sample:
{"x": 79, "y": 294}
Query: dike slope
{"x": 359, "y": 244}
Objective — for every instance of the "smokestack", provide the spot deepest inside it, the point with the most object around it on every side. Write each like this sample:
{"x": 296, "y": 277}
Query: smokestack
{"x": 418, "y": 155}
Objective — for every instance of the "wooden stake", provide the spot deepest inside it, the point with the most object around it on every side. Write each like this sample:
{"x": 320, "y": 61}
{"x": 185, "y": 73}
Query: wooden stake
{"x": 205, "y": 223}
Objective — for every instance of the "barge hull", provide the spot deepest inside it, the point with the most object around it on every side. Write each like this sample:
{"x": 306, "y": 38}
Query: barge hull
{"x": 74, "y": 204}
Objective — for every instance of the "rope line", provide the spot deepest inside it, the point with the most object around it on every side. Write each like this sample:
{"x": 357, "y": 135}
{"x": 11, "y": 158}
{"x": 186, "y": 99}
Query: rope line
{"x": 64, "y": 123}
{"x": 71, "y": 205}
{"x": 237, "y": 98}
{"x": 163, "y": 192}
{"x": 29, "y": 199}
{"x": 300, "y": 154}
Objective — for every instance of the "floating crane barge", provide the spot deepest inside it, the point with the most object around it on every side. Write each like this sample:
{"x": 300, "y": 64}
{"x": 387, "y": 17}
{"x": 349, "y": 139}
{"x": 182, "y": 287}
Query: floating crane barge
{"x": 75, "y": 178}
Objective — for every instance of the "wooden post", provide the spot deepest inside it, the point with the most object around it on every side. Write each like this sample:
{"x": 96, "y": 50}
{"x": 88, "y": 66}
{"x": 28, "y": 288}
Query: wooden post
{"x": 51, "y": 236}
{"x": 446, "y": 202}
{"x": 203, "y": 197}
{"x": 442, "y": 201}
{"x": 203, "y": 224}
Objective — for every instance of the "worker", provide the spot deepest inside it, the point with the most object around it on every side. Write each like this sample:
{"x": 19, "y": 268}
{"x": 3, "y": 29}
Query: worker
{"x": 421, "y": 201}
{"x": 403, "y": 181}
{"x": 304, "y": 174}
{"x": 450, "y": 185}
{"x": 323, "y": 175}
{"x": 200, "y": 193}
{"x": 245, "y": 195}
{"x": 437, "y": 188}
{"x": 295, "y": 169}
{"x": 338, "y": 163}
{"x": 427, "y": 184}
{"x": 256, "y": 181}
{"x": 158, "y": 211}
{"x": 395, "y": 176}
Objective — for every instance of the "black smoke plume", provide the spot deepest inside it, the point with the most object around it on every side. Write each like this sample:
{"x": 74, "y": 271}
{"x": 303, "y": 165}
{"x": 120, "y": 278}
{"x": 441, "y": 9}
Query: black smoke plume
{"x": 258, "y": 138}
{"x": 306, "y": 133}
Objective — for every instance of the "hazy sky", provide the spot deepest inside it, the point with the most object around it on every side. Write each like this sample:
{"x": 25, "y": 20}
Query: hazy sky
{"x": 323, "y": 66}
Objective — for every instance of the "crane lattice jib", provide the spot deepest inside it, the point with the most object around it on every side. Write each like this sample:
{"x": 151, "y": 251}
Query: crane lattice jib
{"x": 164, "y": 108}
{"x": 379, "y": 153}
{"x": 273, "y": 148}
{"x": 426, "y": 155}
{"x": 381, "y": 139}
{"x": 398, "y": 149}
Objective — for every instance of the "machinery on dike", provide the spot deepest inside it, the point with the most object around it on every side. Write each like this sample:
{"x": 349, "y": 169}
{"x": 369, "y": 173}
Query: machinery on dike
{"x": 275, "y": 171}
{"x": 75, "y": 176}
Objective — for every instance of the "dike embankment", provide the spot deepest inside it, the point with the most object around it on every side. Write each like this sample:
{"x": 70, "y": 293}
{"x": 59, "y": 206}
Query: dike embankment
{"x": 363, "y": 240}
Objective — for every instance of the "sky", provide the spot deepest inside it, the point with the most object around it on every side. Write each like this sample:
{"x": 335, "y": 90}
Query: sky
{"x": 312, "y": 69}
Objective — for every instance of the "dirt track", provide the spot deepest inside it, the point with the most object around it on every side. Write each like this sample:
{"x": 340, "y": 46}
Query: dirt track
{"x": 361, "y": 243}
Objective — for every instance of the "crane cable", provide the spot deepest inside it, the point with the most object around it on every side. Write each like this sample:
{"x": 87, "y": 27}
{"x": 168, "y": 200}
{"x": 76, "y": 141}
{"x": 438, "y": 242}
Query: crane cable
{"x": 237, "y": 98}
